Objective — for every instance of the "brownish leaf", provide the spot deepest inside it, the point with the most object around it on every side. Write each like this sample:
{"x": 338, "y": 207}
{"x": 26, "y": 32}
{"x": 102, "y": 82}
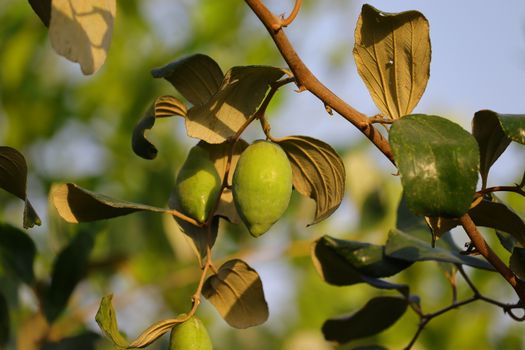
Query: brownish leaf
{"x": 318, "y": 172}
{"x": 236, "y": 292}
{"x": 392, "y": 53}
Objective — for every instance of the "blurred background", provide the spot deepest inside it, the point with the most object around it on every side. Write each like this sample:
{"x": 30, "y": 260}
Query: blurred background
{"x": 74, "y": 128}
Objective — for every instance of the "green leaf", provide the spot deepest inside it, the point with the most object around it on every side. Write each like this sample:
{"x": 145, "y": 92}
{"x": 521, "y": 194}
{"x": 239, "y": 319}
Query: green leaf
{"x": 4, "y": 321}
{"x": 17, "y": 253}
{"x": 81, "y": 31}
{"x": 241, "y": 92}
{"x": 236, "y": 292}
{"x": 75, "y": 204}
{"x": 368, "y": 259}
{"x": 377, "y": 315}
{"x": 513, "y": 126}
{"x": 13, "y": 179}
{"x": 197, "y": 77}
{"x": 164, "y": 106}
{"x": 318, "y": 172}
{"x": 69, "y": 268}
{"x": 438, "y": 162}
{"x": 83, "y": 341}
{"x": 500, "y": 217}
{"x": 43, "y": 9}
{"x": 392, "y": 53}
{"x": 491, "y": 138}
{"x": 408, "y": 247}
{"x": 337, "y": 270}
{"x": 517, "y": 262}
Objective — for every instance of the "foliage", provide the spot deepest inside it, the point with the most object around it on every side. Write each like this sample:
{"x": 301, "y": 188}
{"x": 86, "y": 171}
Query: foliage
{"x": 437, "y": 160}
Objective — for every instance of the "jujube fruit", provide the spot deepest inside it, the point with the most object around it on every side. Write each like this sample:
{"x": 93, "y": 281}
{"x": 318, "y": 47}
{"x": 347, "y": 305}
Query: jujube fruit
{"x": 262, "y": 185}
{"x": 190, "y": 335}
{"x": 197, "y": 185}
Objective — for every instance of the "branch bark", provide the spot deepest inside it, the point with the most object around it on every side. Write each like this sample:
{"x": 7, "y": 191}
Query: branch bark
{"x": 307, "y": 81}
{"x": 483, "y": 248}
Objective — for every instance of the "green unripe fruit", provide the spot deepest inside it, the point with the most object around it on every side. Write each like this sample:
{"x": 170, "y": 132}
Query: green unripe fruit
{"x": 197, "y": 185}
{"x": 262, "y": 185}
{"x": 190, "y": 335}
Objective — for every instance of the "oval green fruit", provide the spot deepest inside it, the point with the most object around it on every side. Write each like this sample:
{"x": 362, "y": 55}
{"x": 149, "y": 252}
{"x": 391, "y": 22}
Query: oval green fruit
{"x": 190, "y": 335}
{"x": 197, "y": 185}
{"x": 262, "y": 185}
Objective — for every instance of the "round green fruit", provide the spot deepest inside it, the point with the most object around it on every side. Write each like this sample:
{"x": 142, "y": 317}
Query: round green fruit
{"x": 197, "y": 185}
{"x": 262, "y": 185}
{"x": 190, "y": 335}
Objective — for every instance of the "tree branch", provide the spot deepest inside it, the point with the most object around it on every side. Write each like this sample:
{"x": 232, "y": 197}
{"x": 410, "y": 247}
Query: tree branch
{"x": 484, "y": 249}
{"x": 307, "y": 81}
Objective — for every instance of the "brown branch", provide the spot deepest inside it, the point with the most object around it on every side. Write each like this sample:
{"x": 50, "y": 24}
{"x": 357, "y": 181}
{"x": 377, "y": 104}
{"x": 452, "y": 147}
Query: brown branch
{"x": 483, "y": 248}
{"x": 516, "y": 189}
{"x": 307, "y": 81}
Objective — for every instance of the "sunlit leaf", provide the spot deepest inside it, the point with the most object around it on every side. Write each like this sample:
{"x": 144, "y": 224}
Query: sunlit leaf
{"x": 81, "y": 31}
{"x": 69, "y": 268}
{"x": 219, "y": 154}
{"x": 241, "y": 92}
{"x": 517, "y": 262}
{"x": 201, "y": 236}
{"x": 13, "y": 179}
{"x": 107, "y": 321}
{"x": 318, "y": 172}
{"x": 409, "y": 247}
{"x": 164, "y": 106}
{"x": 438, "y": 162}
{"x": 75, "y": 204}
{"x": 377, "y": 315}
{"x": 500, "y": 217}
{"x": 43, "y": 9}
{"x": 17, "y": 253}
{"x": 492, "y": 141}
{"x": 337, "y": 270}
{"x": 197, "y": 77}
{"x": 236, "y": 292}
{"x": 83, "y": 341}
{"x": 392, "y": 53}
{"x": 4, "y": 320}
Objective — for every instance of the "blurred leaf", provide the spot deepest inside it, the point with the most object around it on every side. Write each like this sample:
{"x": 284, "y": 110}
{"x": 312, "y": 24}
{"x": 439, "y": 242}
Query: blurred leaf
{"x": 335, "y": 269}
{"x": 514, "y": 126}
{"x": 164, "y": 106}
{"x": 4, "y": 321}
{"x": 392, "y": 53}
{"x": 368, "y": 259}
{"x": 81, "y": 31}
{"x": 370, "y": 347}
{"x": 43, "y": 9}
{"x": 241, "y": 92}
{"x": 438, "y": 162}
{"x": 507, "y": 241}
{"x": 200, "y": 236}
{"x": 500, "y": 217}
{"x": 377, "y": 315}
{"x": 69, "y": 268}
{"x": 75, "y": 204}
{"x": 440, "y": 226}
{"x": 318, "y": 172}
{"x": 492, "y": 141}
{"x": 197, "y": 77}
{"x": 84, "y": 341}
{"x": 17, "y": 253}
{"x": 407, "y": 247}
{"x": 32, "y": 331}
{"x": 13, "y": 179}
{"x": 226, "y": 207}
{"x": 107, "y": 321}
{"x": 236, "y": 292}
{"x": 517, "y": 262}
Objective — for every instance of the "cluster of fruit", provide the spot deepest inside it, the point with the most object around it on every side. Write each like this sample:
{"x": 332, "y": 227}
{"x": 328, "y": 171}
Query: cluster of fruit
{"x": 262, "y": 185}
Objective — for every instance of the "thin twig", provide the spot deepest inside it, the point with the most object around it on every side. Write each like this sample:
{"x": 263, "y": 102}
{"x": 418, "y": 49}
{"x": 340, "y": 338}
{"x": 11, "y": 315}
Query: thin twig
{"x": 515, "y": 189}
{"x": 288, "y": 20}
